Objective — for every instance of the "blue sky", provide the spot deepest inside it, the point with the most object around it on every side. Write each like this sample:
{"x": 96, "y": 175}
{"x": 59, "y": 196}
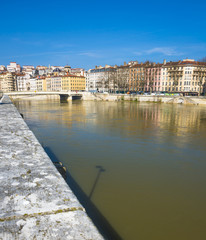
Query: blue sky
{"x": 89, "y": 33}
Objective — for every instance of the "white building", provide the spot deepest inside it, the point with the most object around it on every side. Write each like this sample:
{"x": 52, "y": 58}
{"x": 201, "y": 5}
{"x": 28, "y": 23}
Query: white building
{"x": 33, "y": 84}
{"x": 78, "y": 71}
{"x": 23, "y": 82}
{"x": 28, "y": 69}
{"x": 96, "y": 79}
{"x": 26, "y": 83}
{"x": 186, "y": 76}
{"x": 2, "y": 68}
{"x": 13, "y": 67}
{"x": 54, "y": 83}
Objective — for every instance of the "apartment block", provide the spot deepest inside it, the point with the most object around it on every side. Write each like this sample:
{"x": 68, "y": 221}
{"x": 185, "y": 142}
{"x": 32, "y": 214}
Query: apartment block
{"x": 153, "y": 77}
{"x": 8, "y": 82}
{"x": 13, "y": 67}
{"x": 23, "y": 82}
{"x": 56, "y": 83}
{"x": 137, "y": 77}
{"x": 73, "y": 83}
{"x": 2, "y": 68}
{"x": 109, "y": 79}
{"x": 41, "y": 84}
{"x": 97, "y": 79}
{"x": 184, "y": 76}
{"x": 187, "y": 76}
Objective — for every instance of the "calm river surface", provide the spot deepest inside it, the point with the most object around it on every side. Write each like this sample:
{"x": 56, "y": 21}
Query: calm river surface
{"x": 154, "y": 157}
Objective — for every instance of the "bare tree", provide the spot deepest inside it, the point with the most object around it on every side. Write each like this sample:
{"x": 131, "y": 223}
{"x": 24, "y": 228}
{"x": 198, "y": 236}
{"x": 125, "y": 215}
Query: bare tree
{"x": 142, "y": 84}
{"x": 200, "y": 82}
{"x": 123, "y": 78}
{"x": 112, "y": 80}
{"x": 175, "y": 82}
{"x": 151, "y": 82}
{"x": 101, "y": 82}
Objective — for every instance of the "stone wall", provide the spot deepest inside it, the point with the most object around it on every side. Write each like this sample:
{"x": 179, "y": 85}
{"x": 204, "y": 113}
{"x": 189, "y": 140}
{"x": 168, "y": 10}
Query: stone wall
{"x": 35, "y": 201}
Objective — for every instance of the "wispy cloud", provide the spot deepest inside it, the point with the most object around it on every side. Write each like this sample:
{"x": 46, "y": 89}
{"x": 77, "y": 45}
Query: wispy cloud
{"x": 167, "y": 51}
{"x": 89, "y": 54}
{"x": 138, "y": 53}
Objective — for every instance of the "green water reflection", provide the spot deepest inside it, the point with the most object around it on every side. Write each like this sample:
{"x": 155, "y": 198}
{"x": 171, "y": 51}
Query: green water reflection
{"x": 154, "y": 158}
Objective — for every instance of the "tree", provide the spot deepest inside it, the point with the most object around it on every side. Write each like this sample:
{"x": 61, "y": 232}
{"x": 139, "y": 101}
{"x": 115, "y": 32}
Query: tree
{"x": 201, "y": 75}
{"x": 112, "y": 79}
{"x": 175, "y": 81}
{"x": 123, "y": 78}
{"x": 200, "y": 82}
{"x": 142, "y": 84}
{"x": 36, "y": 73}
{"x": 151, "y": 83}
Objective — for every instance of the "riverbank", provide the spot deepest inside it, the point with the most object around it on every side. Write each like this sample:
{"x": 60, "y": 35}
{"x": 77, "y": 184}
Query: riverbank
{"x": 87, "y": 96}
{"x": 146, "y": 98}
{"x": 36, "y": 202}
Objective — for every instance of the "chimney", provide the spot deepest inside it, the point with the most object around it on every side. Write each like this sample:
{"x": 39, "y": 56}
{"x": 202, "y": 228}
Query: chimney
{"x": 125, "y": 64}
{"x": 164, "y": 62}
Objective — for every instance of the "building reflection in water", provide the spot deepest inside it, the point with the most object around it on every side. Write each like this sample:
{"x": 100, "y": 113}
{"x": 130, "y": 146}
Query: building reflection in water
{"x": 126, "y": 118}
{"x": 154, "y": 156}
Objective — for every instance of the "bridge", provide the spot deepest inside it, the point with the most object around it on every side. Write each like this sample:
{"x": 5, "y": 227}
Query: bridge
{"x": 64, "y": 95}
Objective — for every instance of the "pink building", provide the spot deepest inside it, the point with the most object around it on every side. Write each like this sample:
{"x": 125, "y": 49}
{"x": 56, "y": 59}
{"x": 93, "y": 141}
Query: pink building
{"x": 153, "y": 77}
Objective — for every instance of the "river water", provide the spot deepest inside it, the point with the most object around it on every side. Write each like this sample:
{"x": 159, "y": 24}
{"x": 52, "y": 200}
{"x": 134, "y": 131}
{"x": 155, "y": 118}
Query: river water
{"x": 153, "y": 160}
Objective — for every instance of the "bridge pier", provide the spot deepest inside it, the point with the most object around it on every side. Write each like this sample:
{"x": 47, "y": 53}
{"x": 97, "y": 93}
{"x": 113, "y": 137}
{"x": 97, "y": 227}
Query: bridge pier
{"x": 65, "y": 97}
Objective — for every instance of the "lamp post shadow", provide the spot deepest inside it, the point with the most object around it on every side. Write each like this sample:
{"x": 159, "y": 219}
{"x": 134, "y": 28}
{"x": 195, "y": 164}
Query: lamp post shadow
{"x": 101, "y": 169}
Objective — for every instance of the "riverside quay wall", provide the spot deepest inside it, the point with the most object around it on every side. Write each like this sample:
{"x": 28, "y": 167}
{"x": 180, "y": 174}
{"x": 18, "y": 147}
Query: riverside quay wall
{"x": 145, "y": 98}
{"x": 88, "y": 96}
{"x": 35, "y": 201}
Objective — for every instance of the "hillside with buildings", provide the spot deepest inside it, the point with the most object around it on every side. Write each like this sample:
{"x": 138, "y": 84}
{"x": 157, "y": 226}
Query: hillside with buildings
{"x": 187, "y": 76}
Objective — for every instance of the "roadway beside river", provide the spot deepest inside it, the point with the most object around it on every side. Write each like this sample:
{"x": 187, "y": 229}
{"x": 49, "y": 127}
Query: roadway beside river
{"x": 35, "y": 201}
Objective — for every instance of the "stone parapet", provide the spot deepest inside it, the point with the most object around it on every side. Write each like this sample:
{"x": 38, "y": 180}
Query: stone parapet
{"x": 35, "y": 201}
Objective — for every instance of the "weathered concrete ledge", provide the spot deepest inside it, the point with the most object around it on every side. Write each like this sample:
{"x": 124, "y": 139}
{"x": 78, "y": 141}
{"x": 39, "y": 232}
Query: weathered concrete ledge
{"x": 35, "y": 201}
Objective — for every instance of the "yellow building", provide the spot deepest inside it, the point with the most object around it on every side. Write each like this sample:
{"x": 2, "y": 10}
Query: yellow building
{"x": 8, "y": 82}
{"x": 73, "y": 83}
{"x": 41, "y": 84}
